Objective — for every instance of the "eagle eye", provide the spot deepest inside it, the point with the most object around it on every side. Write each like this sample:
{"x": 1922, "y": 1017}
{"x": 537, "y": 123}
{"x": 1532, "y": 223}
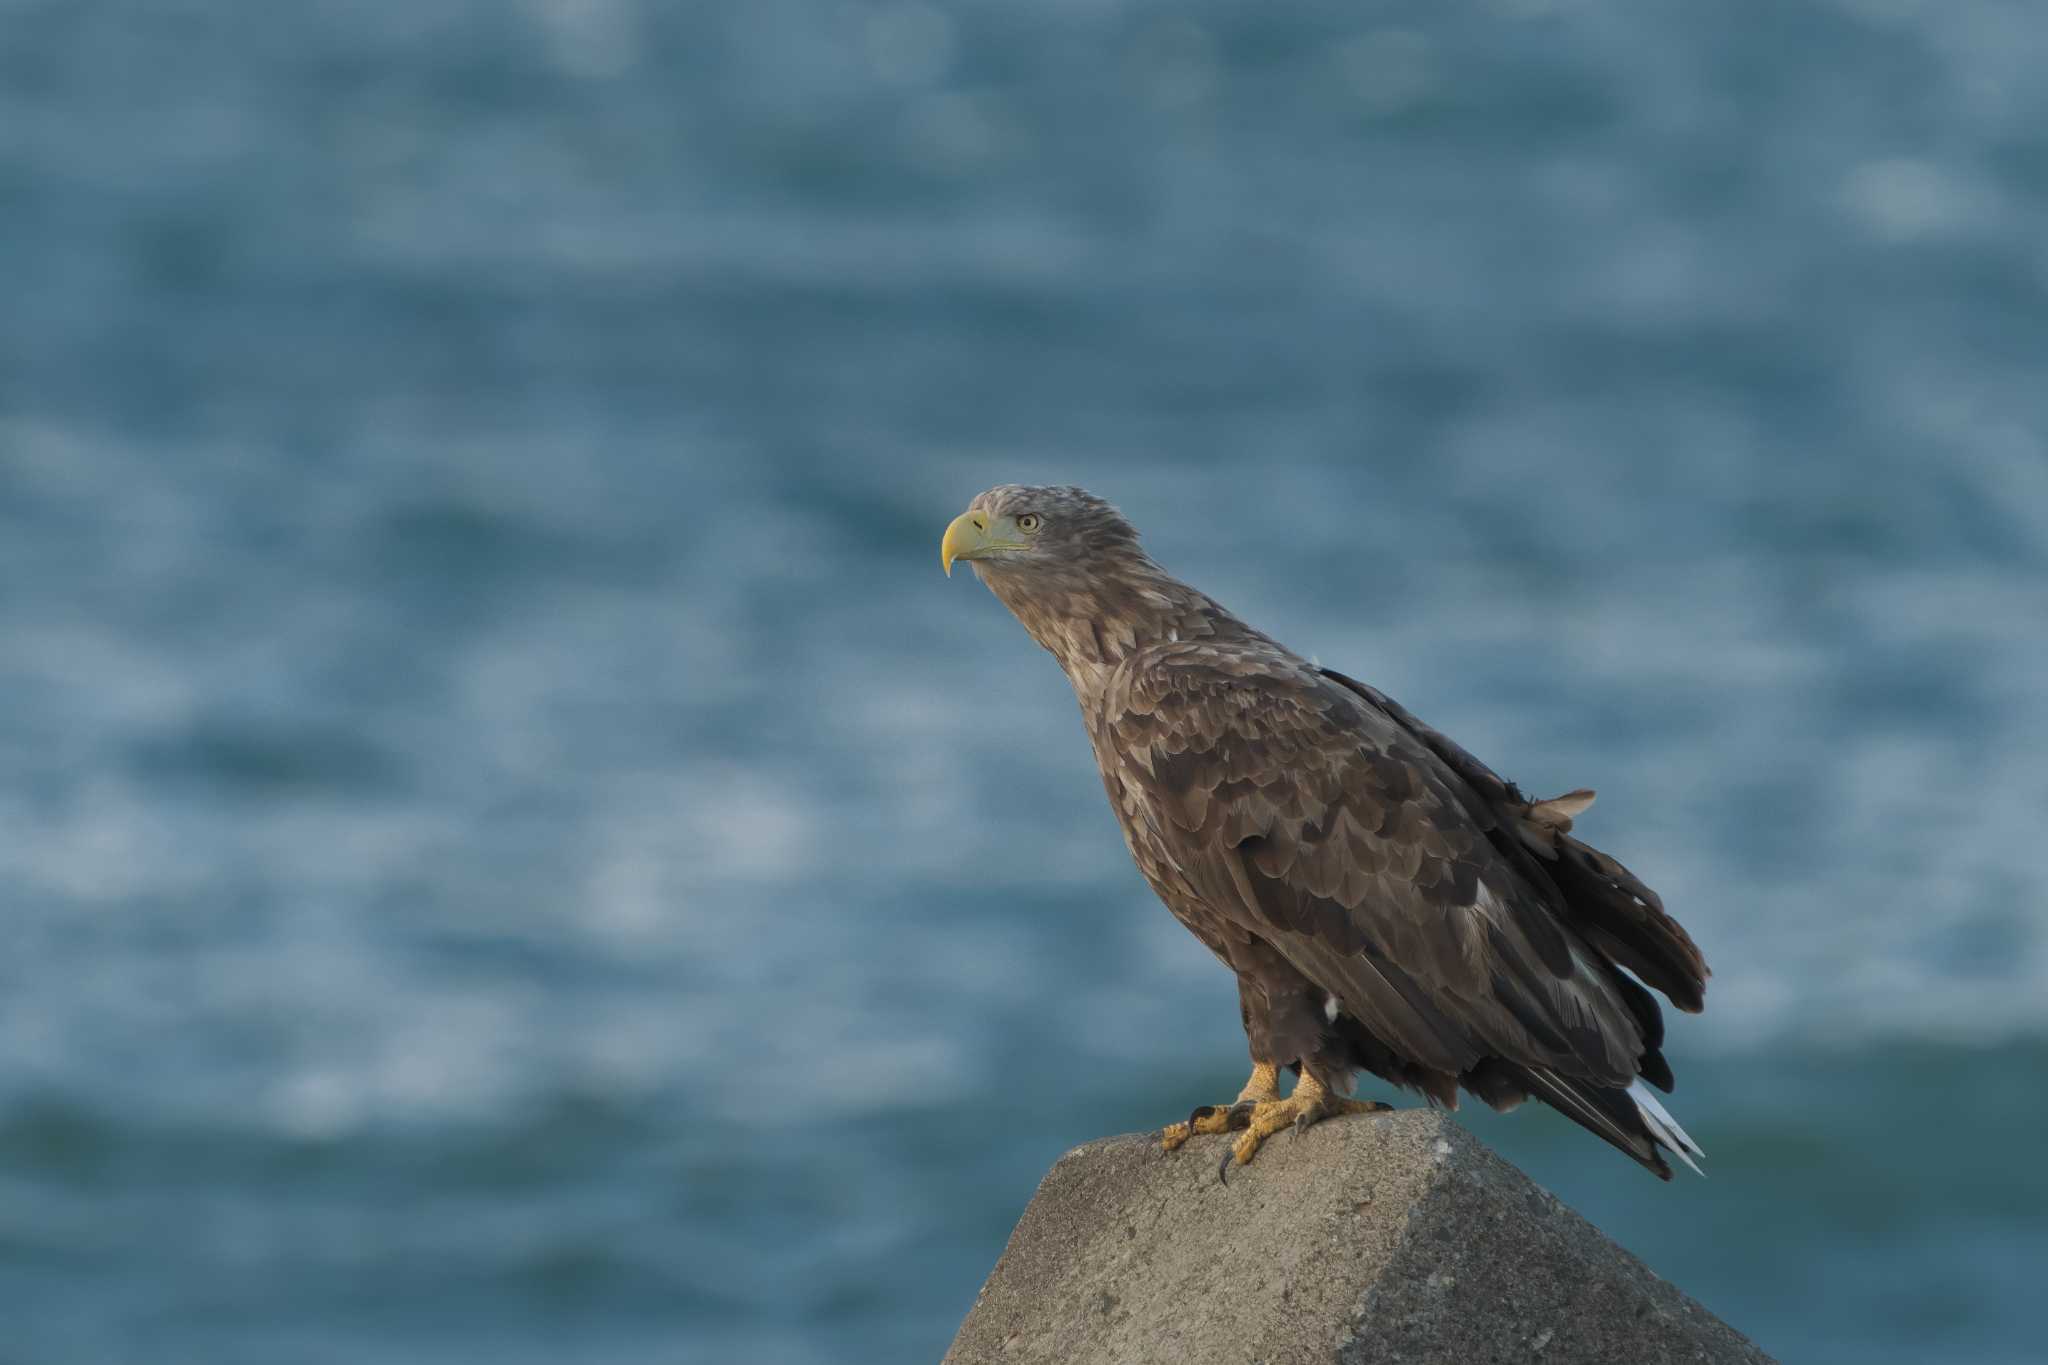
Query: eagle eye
{"x": 1028, "y": 522}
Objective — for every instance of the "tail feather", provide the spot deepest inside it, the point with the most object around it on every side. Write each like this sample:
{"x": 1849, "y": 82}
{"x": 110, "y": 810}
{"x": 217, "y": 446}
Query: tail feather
{"x": 1629, "y": 1119}
{"x": 1664, "y": 1128}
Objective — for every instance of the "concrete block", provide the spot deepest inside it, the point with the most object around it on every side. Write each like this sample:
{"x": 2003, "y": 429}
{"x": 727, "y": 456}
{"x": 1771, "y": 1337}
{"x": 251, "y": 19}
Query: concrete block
{"x": 1370, "y": 1238}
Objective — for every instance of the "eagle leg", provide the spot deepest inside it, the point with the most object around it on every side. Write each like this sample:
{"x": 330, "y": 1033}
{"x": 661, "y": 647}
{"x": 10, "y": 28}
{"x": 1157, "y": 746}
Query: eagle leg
{"x": 1263, "y": 1087}
{"x": 1309, "y": 1105}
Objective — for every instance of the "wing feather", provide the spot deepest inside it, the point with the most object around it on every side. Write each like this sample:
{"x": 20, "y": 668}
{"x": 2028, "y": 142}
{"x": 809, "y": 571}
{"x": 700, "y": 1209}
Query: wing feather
{"x": 1325, "y": 826}
{"x": 1624, "y": 919}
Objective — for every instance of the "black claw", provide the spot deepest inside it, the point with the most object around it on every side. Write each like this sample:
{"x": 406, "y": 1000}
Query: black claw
{"x": 1223, "y": 1169}
{"x": 1200, "y": 1111}
{"x": 1240, "y": 1115}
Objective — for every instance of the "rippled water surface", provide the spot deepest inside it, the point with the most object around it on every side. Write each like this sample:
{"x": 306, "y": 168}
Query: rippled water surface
{"x": 513, "y": 851}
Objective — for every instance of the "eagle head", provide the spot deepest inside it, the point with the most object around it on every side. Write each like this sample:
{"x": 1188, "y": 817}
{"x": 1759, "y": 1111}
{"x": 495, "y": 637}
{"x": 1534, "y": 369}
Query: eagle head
{"x": 1013, "y": 529}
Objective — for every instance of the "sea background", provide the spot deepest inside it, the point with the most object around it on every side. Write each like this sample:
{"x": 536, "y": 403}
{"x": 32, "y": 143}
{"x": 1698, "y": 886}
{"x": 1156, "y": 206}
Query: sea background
{"x": 513, "y": 852}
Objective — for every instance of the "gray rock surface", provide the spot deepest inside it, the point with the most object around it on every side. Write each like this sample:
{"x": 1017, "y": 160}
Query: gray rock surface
{"x": 1393, "y": 1238}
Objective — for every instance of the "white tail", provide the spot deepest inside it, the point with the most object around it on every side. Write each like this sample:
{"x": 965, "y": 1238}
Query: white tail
{"x": 1665, "y": 1128}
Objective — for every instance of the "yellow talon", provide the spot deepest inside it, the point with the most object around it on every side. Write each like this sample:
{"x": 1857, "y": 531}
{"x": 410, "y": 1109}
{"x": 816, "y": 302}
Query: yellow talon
{"x": 1260, "y": 1112}
{"x": 1210, "y": 1118}
{"x": 1222, "y": 1118}
{"x": 1309, "y": 1104}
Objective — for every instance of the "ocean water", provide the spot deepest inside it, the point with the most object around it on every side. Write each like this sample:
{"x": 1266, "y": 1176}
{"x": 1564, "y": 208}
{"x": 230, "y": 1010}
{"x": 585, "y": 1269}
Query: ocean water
{"x": 514, "y": 852}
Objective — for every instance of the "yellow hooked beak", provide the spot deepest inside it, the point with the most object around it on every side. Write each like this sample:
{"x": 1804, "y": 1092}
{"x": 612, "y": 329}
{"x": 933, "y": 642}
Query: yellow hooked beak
{"x": 976, "y": 535}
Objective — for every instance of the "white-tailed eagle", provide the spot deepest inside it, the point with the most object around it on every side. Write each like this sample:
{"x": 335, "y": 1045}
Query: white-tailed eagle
{"x": 1387, "y": 902}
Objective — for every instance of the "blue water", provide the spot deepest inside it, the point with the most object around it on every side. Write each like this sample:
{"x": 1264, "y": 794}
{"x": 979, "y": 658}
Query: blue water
{"x": 513, "y": 851}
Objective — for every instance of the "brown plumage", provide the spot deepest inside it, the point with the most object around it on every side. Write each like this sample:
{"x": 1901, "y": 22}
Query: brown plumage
{"x": 1386, "y": 900}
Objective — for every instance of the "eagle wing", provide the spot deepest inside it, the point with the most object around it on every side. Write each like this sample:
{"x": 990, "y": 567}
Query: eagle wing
{"x": 1608, "y": 904}
{"x": 1299, "y": 808}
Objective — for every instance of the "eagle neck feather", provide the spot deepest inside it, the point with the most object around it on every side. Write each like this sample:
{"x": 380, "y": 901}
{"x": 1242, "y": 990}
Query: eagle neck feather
{"x": 1093, "y": 621}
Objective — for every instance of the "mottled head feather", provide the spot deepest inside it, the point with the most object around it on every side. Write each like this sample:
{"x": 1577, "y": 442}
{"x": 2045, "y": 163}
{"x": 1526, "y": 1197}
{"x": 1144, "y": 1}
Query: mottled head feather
{"x": 1077, "y": 528}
